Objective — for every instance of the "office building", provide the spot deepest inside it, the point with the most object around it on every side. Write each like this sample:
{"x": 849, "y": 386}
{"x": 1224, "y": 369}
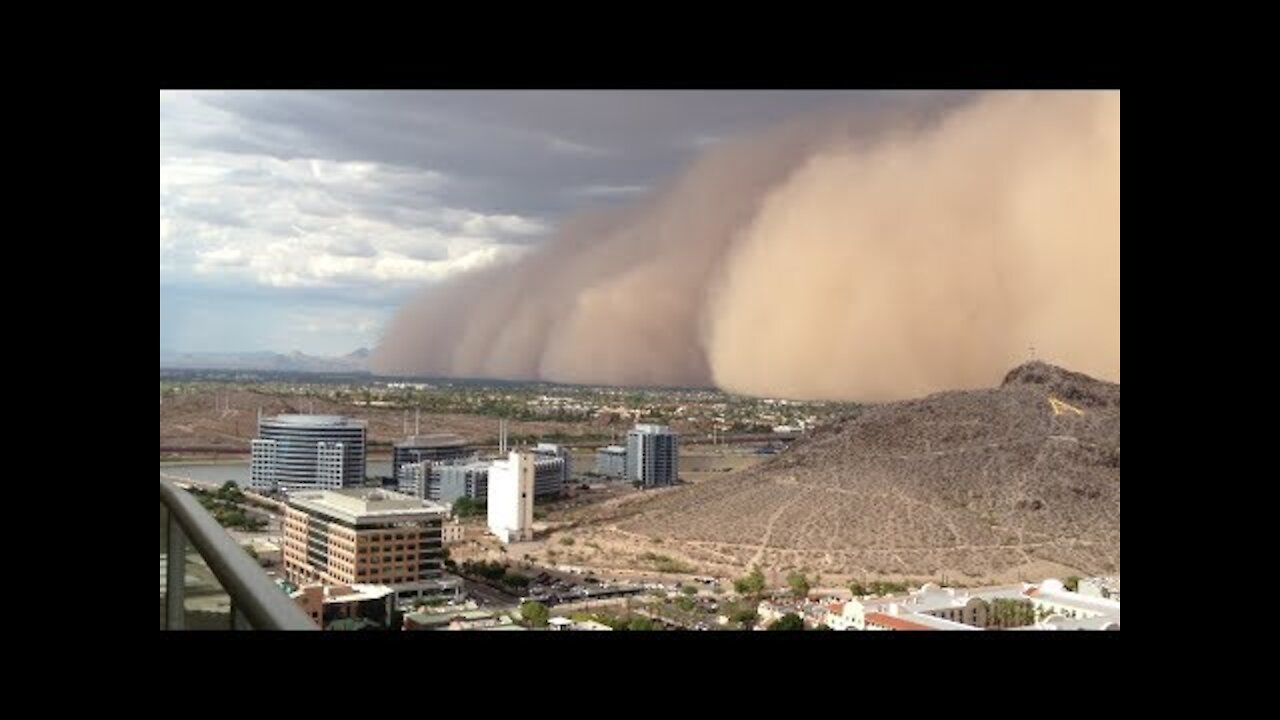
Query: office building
{"x": 427, "y": 448}
{"x": 611, "y": 461}
{"x": 308, "y": 452}
{"x": 653, "y": 455}
{"x": 413, "y": 479}
{"x": 448, "y": 482}
{"x": 366, "y": 536}
{"x": 565, "y": 469}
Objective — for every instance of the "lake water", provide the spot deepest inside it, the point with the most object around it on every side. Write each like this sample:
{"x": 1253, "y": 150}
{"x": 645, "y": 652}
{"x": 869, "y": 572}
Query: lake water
{"x": 239, "y": 471}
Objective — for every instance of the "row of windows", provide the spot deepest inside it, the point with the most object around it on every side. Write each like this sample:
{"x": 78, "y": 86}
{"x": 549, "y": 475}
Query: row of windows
{"x": 392, "y": 580}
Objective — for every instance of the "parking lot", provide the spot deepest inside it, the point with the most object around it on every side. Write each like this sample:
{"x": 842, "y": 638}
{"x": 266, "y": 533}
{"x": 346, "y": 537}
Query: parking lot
{"x": 551, "y": 587}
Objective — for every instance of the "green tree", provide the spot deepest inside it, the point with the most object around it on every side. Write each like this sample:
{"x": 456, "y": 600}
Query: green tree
{"x": 799, "y": 584}
{"x": 752, "y": 584}
{"x": 689, "y": 590}
{"x": 857, "y": 589}
{"x": 745, "y": 618}
{"x": 465, "y": 507}
{"x": 515, "y": 580}
{"x": 535, "y": 614}
{"x": 641, "y": 623}
{"x": 1071, "y": 583}
{"x": 790, "y": 621}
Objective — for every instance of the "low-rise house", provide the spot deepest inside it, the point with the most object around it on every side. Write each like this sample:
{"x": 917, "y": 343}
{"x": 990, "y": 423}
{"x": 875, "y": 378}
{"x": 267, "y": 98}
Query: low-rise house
{"x": 980, "y": 608}
{"x": 452, "y": 532}
{"x": 772, "y": 610}
{"x": 326, "y": 604}
{"x": 898, "y": 619}
{"x": 835, "y": 618}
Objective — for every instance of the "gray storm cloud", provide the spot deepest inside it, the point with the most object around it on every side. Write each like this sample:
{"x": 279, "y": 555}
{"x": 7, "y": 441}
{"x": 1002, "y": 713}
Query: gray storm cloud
{"x": 851, "y": 255}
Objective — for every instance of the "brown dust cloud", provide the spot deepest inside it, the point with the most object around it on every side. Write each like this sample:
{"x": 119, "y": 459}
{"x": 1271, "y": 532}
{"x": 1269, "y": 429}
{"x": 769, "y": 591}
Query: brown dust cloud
{"x": 853, "y": 255}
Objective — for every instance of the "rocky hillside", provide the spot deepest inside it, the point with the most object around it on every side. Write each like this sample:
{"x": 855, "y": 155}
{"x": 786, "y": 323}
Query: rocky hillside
{"x": 1023, "y": 479}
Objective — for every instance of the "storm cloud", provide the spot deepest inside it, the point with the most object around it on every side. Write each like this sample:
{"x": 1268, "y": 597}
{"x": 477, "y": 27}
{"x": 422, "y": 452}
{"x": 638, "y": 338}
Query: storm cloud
{"x": 867, "y": 252}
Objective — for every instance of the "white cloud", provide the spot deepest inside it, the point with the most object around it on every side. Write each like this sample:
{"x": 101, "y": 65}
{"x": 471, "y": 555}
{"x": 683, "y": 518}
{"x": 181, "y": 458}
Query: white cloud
{"x": 314, "y": 223}
{"x": 479, "y": 224}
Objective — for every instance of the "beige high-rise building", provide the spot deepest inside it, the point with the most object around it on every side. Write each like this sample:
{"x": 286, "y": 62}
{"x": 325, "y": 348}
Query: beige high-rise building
{"x": 362, "y": 535}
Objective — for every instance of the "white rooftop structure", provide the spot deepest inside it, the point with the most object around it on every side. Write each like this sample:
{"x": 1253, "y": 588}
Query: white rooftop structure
{"x": 355, "y": 505}
{"x": 1052, "y": 596}
{"x": 349, "y": 593}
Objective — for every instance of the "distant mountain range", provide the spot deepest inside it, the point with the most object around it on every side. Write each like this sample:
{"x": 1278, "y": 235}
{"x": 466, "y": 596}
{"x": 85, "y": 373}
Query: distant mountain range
{"x": 295, "y": 361}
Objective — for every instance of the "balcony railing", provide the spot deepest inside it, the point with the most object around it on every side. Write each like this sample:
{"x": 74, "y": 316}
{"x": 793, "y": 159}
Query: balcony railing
{"x": 209, "y": 582}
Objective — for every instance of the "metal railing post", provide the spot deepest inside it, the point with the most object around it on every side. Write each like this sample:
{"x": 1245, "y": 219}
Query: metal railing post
{"x": 238, "y": 620}
{"x": 257, "y": 603}
{"x": 175, "y": 577}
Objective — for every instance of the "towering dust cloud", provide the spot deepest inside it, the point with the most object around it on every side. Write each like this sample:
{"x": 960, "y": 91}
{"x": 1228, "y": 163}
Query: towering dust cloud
{"x": 849, "y": 256}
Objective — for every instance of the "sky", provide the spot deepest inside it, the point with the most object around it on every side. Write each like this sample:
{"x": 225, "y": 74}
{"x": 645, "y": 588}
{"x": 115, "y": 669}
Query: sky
{"x": 302, "y": 220}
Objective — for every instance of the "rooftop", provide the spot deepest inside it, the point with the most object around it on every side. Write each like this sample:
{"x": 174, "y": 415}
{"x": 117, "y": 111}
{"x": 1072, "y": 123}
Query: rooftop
{"x": 1057, "y": 622}
{"x": 1052, "y": 591}
{"x": 314, "y": 421}
{"x": 613, "y": 450}
{"x": 932, "y": 597}
{"x": 357, "y": 504}
{"x": 894, "y": 622}
{"x": 432, "y": 440}
{"x": 444, "y": 618}
{"x": 652, "y": 429}
{"x": 936, "y": 623}
{"x": 349, "y": 593}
